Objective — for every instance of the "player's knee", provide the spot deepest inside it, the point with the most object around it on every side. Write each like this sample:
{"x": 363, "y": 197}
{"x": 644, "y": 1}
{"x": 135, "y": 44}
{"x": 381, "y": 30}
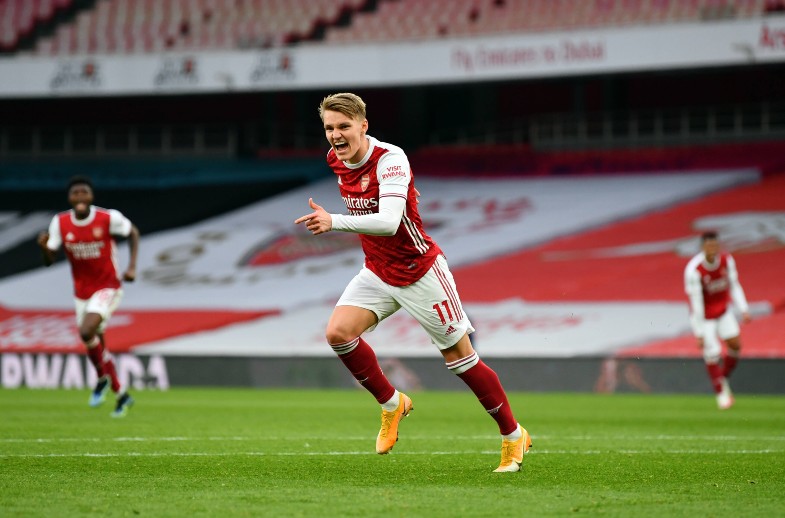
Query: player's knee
{"x": 711, "y": 358}
{"x": 336, "y": 335}
{"x": 88, "y": 336}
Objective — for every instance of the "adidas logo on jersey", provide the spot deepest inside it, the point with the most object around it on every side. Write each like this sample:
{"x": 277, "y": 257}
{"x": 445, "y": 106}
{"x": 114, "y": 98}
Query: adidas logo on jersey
{"x": 450, "y": 330}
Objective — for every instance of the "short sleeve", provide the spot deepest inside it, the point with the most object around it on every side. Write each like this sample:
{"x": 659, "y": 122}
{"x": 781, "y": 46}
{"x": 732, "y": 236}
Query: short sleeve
{"x": 733, "y": 273}
{"x": 55, "y": 240}
{"x": 692, "y": 282}
{"x": 119, "y": 225}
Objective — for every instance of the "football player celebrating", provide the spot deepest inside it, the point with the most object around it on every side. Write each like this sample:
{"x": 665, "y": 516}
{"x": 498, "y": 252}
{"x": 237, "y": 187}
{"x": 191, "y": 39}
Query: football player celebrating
{"x": 404, "y": 268}
{"x": 87, "y": 234}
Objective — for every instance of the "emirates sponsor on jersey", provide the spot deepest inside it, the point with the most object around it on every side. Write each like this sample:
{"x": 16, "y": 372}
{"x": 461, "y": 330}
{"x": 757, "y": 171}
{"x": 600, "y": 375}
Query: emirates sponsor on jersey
{"x": 85, "y": 250}
{"x": 717, "y": 285}
{"x": 361, "y": 206}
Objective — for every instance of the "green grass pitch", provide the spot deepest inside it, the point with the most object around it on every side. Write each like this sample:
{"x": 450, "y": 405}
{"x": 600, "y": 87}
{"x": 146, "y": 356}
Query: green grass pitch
{"x": 287, "y": 453}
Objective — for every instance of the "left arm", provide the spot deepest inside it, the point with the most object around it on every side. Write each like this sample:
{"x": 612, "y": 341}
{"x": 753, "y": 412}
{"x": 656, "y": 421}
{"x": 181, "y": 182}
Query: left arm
{"x": 736, "y": 291}
{"x": 119, "y": 225}
{"x": 133, "y": 246}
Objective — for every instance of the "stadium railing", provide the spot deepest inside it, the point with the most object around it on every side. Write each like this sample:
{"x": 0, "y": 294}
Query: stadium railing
{"x": 663, "y": 127}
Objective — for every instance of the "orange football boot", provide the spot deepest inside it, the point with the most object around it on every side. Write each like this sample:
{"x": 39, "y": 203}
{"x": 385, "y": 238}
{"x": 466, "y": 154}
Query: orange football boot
{"x": 388, "y": 434}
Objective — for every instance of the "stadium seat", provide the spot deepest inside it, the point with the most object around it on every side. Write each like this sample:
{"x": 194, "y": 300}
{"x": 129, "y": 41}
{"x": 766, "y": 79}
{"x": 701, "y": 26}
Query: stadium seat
{"x": 459, "y": 18}
{"x": 151, "y": 26}
{"x": 19, "y": 18}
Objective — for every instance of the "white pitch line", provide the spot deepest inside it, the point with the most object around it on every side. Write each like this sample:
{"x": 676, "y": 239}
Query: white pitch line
{"x": 353, "y": 453}
{"x": 660, "y": 437}
{"x": 625, "y": 438}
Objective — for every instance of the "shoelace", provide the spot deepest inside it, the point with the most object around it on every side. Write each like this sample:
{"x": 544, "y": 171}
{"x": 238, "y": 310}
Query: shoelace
{"x": 387, "y": 419}
{"x": 508, "y": 451}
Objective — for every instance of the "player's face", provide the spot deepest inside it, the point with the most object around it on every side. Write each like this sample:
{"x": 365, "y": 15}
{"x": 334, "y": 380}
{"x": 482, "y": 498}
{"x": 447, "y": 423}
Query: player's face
{"x": 346, "y": 135}
{"x": 711, "y": 247}
{"x": 80, "y": 196}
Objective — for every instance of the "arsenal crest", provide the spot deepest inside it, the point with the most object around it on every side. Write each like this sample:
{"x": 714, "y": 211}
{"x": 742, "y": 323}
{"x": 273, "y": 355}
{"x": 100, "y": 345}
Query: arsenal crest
{"x": 285, "y": 248}
{"x": 364, "y": 181}
{"x": 98, "y": 232}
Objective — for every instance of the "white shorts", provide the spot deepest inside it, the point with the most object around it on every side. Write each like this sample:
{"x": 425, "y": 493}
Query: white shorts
{"x": 432, "y": 300}
{"x": 103, "y": 302}
{"x": 724, "y": 327}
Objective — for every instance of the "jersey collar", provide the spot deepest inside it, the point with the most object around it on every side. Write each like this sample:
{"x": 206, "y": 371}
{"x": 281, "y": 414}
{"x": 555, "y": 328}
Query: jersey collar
{"x": 83, "y": 222}
{"x": 366, "y": 157}
{"x": 708, "y": 265}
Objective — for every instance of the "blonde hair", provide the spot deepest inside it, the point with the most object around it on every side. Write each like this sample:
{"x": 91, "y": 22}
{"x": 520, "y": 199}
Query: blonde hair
{"x": 349, "y": 104}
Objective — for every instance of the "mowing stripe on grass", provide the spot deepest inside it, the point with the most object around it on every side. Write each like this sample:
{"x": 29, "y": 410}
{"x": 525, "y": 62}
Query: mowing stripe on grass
{"x": 352, "y": 453}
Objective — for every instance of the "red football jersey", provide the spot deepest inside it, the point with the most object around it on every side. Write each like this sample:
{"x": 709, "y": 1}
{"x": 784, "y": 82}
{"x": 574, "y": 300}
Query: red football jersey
{"x": 716, "y": 287}
{"x": 403, "y": 258}
{"x": 90, "y": 248}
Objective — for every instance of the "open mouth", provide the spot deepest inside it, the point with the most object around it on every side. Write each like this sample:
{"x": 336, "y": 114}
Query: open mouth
{"x": 341, "y": 146}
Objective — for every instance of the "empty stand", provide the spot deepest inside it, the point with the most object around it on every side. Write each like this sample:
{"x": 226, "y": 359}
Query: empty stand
{"x": 18, "y": 18}
{"x": 132, "y": 26}
{"x": 138, "y": 26}
{"x": 420, "y": 19}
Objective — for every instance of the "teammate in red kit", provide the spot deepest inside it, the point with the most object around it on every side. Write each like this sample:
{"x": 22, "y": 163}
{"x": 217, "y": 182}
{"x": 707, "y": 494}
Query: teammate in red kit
{"x": 87, "y": 234}
{"x": 404, "y": 268}
{"x": 711, "y": 282}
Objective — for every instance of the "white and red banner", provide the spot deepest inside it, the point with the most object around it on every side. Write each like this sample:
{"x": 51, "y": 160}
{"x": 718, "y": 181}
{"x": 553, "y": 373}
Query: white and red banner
{"x": 505, "y": 328}
{"x": 74, "y": 371}
{"x": 642, "y": 259}
{"x": 553, "y": 267}
{"x": 257, "y": 259}
{"x": 606, "y": 50}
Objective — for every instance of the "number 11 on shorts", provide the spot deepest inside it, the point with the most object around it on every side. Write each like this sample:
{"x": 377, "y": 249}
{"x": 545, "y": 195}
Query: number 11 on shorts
{"x": 441, "y": 314}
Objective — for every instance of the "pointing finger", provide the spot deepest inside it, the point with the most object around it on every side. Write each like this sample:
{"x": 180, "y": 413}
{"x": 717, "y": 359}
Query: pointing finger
{"x": 304, "y": 218}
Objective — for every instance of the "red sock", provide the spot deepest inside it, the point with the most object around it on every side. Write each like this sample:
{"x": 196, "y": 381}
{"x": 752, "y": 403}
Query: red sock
{"x": 361, "y": 361}
{"x": 715, "y": 375}
{"x": 729, "y": 361}
{"x": 111, "y": 371}
{"x": 96, "y": 353}
{"x": 103, "y": 363}
{"x": 486, "y": 386}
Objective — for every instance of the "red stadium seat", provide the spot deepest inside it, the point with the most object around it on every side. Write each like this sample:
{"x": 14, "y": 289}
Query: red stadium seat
{"x": 154, "y": 25}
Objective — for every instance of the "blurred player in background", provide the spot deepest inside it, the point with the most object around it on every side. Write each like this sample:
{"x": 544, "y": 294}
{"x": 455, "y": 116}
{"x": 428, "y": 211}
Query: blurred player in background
{"x": 87, "y": 234}
{"x": 711, "y": 282}
{"x": 403, "y": 267}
